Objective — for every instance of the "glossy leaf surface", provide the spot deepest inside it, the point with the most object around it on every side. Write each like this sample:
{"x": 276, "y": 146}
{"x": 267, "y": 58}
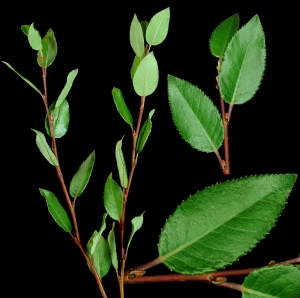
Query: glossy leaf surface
{"x": 219, "y": 224}
{"x": 195, "y": 116}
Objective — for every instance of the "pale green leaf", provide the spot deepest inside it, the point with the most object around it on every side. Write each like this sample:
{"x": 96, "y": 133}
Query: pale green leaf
{"x": 121, "y": 106}
{"x": 64, "y": 93}
{"x": 136, "y": 224}
{"x": 144, "y": 133}
{"x": 157, "y": 29}
{"x": 145, "y": 79}
{"x": 121, "y": 164}
{"x": 222, "y": 35}
{"x": 34, "y": 38}
{"x": 56, "y": 210}
{"x": 113, "y": 198}
{"x": 135, "y": 64}
{"x": 25, "y": 29}
{"x": 195, "y": 116}
{"x": 97, "y": 236}
{"x": 136, "y": 37}
{"x": 49, "y": 49}
{"x": 216, "y": 226}
{"x": 27, "y": 81}
{"x": 61, "y": 119}
{"x": 244, "y": 63}
{"x": 82, "y": 177}
{"x": 44, "y": 148}
{"x": 112, "y": 247}
{"x": 273, "y": 282}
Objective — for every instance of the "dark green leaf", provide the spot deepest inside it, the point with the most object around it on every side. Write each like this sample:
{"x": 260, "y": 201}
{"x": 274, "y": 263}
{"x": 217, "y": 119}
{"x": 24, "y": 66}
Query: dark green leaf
{"x": 121, "y": 164}
{"x": 44, "y": 148}
{"x": 27, "y": 81}
{"x": 145, "y": 79}
{"x": 222, "y": 35}
{"x": 112, "y": 247}
{"x": 56, "y": 210}
{"x": 136, "y": 37}
{"x": 34, "y": 38}
{"x": 273, "y": 282}
{"x": 158, "y": 27}
{"x": 218, "y": 225}
{"x": 144, "y": 133}
{"x": 244, "y": 63}
{"x": 136, "y": 223}
{"x": 49, "y": 49}
{"x": 195, "y": 116}
{"x": 25, "y": 29}
{"x": 64, "y": 93}
{"x": 113, "y": 199}
{"x": 61, "y": 119}
{"x": 82, "y": 177}
{"x": 121, "y": 106}
{"x": 144, "y": 25}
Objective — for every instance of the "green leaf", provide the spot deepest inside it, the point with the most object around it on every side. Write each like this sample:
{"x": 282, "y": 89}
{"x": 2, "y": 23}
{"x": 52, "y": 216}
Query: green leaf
{"x": 218, "y": 225}
{"x": 34, "y": 38}
{"x": 135, "y": 65}
{"x": 44, "y": 148}
{"x": 25, "y": 29}
{"x": 244, "y": 63}
{"x": 136, "y": 37}
{"x": 101, "y": 257}
{"x": 61, "y": 119}
{"x": 144, "y": 25}
{"x": 56, "y": 210}
{"x": 195, "y": 116}
{"x": 64, "y": 93}
{"x": 96, "y": 238}
{"x": 273, "y": 282}
{"x": 144, "y": 133}
{"x": 113, "y": 198}
{"x": 49, "y": 49}
{"x": 136, "y": 223}
{"x": 158, "y": 27}
{"x": 82, "y": 177}
{"x": 112, "y": 247}
{"x": 222, "y": 35}
{"x": 145, "y": 79}
{"x": 121, "y": 106}
{"x": 27, "y": 81}
{"x": 121, "y": 164}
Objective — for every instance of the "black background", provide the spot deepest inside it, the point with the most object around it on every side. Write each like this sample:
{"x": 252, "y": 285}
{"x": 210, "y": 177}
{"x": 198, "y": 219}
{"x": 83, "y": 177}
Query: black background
{"x": 39, "y": 257}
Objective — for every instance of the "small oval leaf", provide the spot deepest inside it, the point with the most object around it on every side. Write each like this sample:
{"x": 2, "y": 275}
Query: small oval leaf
{"x": 56, "y": 210}
{"x": 25, "y": 29}
{"x": 276, "y": 281}
{"x": 136, "y": 37}
{"x": 244, "y": 63}
{"x": 82, "y": 177}
{"x": 144, "y": 133}
{"x": 44, "y": 148}
{"x": 121, "y": 106}
{"x": 34, "y": 38}
{"x": 49, "y": 49}
{"x": 136, "y": 224}
{"x": 157, "y": 29}
{"x": 195, "y": 116}
{"x": 113, "y": 199}
{"x": 219, "y": 224}
{"x": 112, "y": 247}
{"x": 61, "y": 119}
{"x": 121, "y": 164}
{"x": 145, "y": 79}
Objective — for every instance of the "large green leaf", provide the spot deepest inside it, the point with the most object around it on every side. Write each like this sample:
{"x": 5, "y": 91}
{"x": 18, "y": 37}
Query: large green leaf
{"x": 195, "y": 116}
{"x": 136, "y": 224}
{"x": 49, "y": 49}
{"x": 27, "y": 81}
{"x": 121, "y": 106}
{"x": 64, "y": 93}
{"x": 34, "y": 38}
{"x": 136, "y": 37}
{"x": 144, "y": 133}
{"x": 56, "y": 210}
{"x": 157, "y": 29}
{"x": 82, "y": 177}
{"x": 145, "y": 79}
{"x": 222, "y": 35}
{"x": 121, "y": 164}
{"x": 273, "y": 282}
{"x": 112, "y": 247}
{"x": 219, "y": 224}
{"x": 61, "y": 119}
{"x": 244, "y": 63}
{"x": 113, "y": 198}
{"x": 44, "y": 148}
